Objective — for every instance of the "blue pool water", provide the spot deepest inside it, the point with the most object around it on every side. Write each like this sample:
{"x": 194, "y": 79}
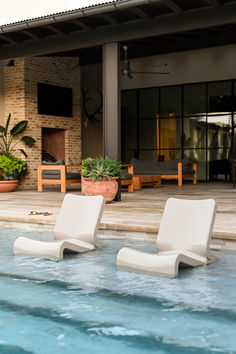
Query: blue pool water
{"x": 85, "y": 305}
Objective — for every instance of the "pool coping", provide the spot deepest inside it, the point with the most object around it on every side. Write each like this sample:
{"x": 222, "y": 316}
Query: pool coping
{"x": 108, "y": 230}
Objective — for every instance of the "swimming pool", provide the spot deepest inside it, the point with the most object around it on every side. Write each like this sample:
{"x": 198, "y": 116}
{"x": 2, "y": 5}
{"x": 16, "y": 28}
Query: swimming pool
{"x": 83, "y": 304}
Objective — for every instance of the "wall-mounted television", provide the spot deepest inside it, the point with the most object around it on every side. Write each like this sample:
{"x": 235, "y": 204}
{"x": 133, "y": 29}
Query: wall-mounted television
{"x": 54, "y": 100}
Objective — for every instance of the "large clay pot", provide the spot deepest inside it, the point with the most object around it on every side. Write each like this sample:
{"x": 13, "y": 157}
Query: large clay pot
{"x": 8, "y": 186}
{"x": 107, "y": 188}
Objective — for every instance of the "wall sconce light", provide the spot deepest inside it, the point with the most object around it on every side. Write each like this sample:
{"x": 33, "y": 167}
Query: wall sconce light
{"x": 10, "y": 63}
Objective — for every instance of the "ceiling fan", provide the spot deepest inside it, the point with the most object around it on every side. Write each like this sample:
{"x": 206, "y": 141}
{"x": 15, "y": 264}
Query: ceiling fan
{"x": 126, "y": 69}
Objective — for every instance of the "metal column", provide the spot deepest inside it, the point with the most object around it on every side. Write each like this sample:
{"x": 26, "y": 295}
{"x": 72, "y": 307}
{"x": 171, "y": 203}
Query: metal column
{"x": 111, "y": 100}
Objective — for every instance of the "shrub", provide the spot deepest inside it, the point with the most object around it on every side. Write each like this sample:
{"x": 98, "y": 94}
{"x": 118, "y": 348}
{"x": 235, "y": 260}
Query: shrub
{"x": 12, "y": 167}
{"x": 101, "y": 168}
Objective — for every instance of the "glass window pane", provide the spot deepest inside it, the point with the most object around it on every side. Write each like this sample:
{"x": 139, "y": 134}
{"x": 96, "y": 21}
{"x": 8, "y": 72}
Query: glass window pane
{"x": 219, "y": 97}
{"x": 198, "y": 155}
{"x": 129, "y": 130}
{"x": 129, "y": 105}
{"x": 195, "y": 132}
{"x": 148, "y": 103}
{"x": 148, "y": 134}
{"x": 128, "y": 155}
{"x": 170, "y": 102}
{"x": 170, "y": 133}
{"x": 195, "y": 99}
{"x": 232, "y": 154}
{"x": 168, "y": 155}
{"x": 218, "y": 154}
{"x": 234, "y": 97}
{"x": 219, "y": 165}
{"x": 148, "y": 155}
{"x": 219, "y": 131}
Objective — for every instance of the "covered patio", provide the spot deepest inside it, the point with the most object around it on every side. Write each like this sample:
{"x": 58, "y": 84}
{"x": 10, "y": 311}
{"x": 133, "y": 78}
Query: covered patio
{"x": 137, "y": 216}
{"x": 51, "y": 52}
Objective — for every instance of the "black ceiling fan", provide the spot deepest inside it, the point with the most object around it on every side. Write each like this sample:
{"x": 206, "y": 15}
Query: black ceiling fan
{"x": 126, "y": 69}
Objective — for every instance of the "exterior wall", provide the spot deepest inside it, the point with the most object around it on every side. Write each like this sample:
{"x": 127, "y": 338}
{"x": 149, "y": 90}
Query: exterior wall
{"x": 193, "y": 66}
{"x": 217, "y": 63}
{"x": 1, "y": 94}
{"x": 92, "y": 133}
{"x": 20, "y": 95}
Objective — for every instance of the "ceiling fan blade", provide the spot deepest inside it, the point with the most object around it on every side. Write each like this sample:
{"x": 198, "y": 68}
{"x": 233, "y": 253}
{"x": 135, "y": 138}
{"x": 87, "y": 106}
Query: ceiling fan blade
{"x": 126, "y": 70}
{"x": 150, "y": 72}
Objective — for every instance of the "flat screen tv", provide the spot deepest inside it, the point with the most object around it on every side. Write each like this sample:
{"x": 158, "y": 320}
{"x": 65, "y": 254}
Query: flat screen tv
{"x": 54, "y": 100}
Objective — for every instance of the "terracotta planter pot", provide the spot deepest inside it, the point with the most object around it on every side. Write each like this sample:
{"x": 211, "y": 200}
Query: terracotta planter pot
{"x": 106, "y": 188}
{"x": 8, "y": 186}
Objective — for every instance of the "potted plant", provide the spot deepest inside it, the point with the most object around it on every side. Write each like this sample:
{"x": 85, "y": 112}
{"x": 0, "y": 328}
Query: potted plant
{"x": 12, "y": 168}
{"x": 100, "y": 177}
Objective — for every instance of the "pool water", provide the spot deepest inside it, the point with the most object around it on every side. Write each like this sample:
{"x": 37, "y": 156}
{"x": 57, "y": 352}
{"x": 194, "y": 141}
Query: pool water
{"x": 84, "y": 304}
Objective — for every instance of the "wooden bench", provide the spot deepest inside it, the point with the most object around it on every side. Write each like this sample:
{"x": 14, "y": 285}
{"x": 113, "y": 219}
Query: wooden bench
{"x": 62, "y": 178}
{"x": 127, "y": 180}
{"x": 146, "y": 180}
{"x": 182, "y": 175}
{"x": 155, "y": 179}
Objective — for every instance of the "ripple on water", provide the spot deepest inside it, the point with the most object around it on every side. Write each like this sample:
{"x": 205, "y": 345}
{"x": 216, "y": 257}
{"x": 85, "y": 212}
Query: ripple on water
{"x": 86, "y": 295}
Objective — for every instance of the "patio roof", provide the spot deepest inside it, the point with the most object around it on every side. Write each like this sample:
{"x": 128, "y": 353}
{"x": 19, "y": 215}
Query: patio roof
{"x": 150, "y": 27}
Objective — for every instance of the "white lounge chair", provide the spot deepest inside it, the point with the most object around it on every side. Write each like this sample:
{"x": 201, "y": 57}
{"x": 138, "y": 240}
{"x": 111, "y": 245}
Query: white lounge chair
{"x": 76, "y": 229}
{"x": 183, "y": 239}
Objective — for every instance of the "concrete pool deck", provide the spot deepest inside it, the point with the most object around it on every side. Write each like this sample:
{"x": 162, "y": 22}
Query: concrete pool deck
{"x": 138, "y": 215}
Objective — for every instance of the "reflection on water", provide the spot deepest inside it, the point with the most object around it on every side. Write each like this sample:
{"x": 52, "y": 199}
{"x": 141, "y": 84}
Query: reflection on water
{"x": 85, "y": 302}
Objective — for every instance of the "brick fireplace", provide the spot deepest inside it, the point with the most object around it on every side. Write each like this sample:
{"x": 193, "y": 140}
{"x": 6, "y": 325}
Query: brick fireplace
{"x": 53, "y": 144}
{"x": 59, "y": 135}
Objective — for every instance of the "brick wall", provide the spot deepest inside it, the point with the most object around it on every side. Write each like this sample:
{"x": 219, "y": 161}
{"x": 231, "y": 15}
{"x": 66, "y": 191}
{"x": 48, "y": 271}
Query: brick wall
{"x": 20, "y": 99}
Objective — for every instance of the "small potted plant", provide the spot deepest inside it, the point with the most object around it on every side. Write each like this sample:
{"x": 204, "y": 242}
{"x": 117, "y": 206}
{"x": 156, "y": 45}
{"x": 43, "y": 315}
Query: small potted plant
{"x": 12, "y": 168}
{"x": 100, "y": 177}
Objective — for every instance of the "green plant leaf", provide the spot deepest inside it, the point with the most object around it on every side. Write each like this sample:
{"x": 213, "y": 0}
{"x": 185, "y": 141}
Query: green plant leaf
{"x": 9, "y": 141}
{"x": 28, "y": 140}
{"x": 23, "y": 152}
{"x": 100, "y": 168}
{"x": 7, "y": 124}
{"x": 12, "y": 165}
{"x": 19, "y": 128}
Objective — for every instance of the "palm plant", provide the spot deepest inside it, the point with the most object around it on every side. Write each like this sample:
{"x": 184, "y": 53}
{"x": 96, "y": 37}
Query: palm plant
{"x": 9, "y": 139}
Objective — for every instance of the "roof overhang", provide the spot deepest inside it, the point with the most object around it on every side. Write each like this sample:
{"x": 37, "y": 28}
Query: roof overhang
{"x": 171, "y": 24}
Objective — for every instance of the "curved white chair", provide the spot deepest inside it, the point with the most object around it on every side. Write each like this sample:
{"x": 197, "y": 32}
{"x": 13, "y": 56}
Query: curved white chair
{"x": 76, "y": 229}
{"x": 183, "y": 239}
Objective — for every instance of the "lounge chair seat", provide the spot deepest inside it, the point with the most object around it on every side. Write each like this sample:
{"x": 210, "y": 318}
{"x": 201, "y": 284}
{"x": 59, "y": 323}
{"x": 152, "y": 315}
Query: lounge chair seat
{"x": 76, "y": 229}
{"x": 127, "y": 176}
{"x": 69, "y": 175}
{"x": 183, "y": 239}
{"x": 146, "y": 172}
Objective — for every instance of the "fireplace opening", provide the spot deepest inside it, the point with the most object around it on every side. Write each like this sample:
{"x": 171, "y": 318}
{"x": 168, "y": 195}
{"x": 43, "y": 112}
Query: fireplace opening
{"x": 53, "y": 144}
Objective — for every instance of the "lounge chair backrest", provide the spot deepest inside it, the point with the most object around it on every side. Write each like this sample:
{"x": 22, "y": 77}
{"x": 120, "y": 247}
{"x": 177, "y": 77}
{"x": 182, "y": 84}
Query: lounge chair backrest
{"x": 187, "y": 225}
{"x": 79, "y": 218}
